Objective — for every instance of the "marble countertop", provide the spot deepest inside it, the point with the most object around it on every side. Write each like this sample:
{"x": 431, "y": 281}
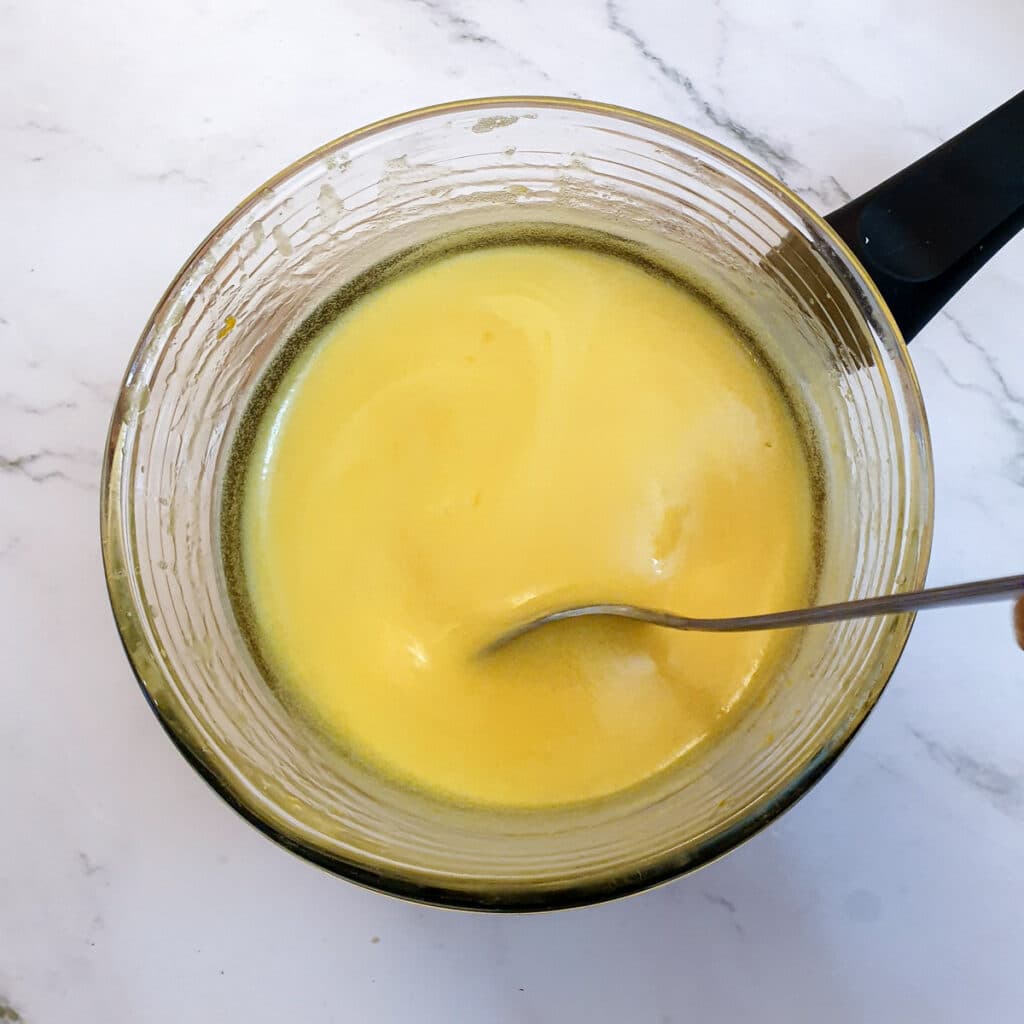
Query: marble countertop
{"x": 128, "y": 892}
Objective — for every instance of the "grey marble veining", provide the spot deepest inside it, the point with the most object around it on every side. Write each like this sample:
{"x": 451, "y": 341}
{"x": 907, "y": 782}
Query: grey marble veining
{"x": 127, "y": 891}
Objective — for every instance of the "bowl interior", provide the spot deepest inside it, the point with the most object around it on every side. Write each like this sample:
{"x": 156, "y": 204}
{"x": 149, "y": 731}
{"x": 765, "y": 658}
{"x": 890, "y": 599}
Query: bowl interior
{"x": 515, "y": 165}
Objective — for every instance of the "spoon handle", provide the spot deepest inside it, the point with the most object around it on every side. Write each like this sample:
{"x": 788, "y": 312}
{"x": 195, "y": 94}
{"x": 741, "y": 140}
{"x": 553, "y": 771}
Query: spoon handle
{"x": 975, "y": 592}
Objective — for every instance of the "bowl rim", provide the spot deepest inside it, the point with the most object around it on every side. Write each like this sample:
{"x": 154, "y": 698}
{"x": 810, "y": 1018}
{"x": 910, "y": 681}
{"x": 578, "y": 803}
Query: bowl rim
{"x": 546, "y": 898}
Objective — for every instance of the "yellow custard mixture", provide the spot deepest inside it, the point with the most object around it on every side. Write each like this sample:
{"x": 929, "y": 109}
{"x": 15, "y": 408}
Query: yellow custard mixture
{"x": 489, "y": 436}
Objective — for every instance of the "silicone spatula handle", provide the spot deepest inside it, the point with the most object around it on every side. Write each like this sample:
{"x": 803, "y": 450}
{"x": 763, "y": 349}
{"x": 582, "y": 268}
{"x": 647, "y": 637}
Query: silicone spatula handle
{"x": 923, "y": 233}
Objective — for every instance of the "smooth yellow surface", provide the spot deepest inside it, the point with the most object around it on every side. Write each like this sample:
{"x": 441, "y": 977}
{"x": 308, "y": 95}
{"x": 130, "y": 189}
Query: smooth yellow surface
{"x": 490, "y": 436}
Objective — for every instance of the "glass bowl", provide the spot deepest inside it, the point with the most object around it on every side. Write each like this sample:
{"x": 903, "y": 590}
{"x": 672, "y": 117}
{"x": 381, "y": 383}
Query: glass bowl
{"x": 737, "y": 233}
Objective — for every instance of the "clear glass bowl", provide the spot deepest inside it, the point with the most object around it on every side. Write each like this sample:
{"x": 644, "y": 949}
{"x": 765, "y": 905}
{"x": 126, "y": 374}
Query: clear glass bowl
{"x": 772, "y": 262}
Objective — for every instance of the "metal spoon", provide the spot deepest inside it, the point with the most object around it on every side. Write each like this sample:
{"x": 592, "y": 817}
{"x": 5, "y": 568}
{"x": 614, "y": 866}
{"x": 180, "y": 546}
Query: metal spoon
{"x": 977, "y": 592}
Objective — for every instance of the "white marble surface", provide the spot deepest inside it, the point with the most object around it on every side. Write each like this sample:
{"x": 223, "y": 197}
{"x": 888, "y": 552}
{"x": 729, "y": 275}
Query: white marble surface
{"x": 894, "y": 892}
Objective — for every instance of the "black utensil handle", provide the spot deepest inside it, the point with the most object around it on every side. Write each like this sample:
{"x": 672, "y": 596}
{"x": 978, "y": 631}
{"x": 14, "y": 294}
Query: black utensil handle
{"x": 923, "y": 233}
